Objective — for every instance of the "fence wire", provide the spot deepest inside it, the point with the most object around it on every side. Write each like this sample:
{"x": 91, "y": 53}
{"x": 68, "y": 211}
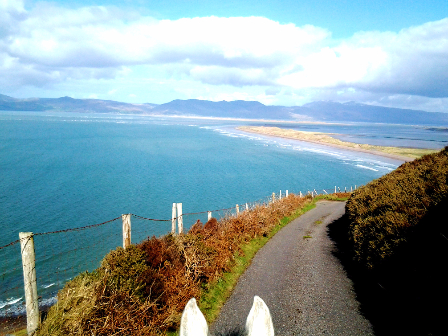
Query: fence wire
{"x": 61, "y": 255}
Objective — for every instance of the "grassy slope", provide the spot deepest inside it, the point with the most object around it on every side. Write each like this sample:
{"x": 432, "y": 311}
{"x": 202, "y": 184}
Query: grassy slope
{"x": 393, "y": 242}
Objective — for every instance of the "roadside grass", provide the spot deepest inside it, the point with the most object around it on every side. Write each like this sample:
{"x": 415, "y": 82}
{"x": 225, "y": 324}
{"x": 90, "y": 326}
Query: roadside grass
{"x": 215, "y": 294}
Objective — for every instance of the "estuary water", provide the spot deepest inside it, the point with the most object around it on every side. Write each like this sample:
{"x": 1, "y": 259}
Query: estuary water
{"x": 61, "y": 171}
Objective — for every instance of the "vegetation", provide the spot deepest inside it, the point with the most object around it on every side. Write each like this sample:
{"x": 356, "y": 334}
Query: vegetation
{"x": 386, "y": 211}
{"x": 142, "y": 290}
{"x": 393, "y": 242}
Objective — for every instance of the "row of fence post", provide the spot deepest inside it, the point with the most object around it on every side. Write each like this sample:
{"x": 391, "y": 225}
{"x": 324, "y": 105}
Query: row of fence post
{"x": 29, "y": 259}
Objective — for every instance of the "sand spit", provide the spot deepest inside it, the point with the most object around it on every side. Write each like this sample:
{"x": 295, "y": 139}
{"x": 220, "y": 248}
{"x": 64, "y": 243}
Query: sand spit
{"x": 397, "y": 153}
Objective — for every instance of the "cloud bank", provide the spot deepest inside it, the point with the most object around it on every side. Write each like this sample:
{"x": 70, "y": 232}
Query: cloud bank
{"x": 49, "y": 45}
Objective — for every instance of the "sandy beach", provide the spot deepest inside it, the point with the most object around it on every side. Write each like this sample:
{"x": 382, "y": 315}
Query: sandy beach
{"x": 396, "y": 153}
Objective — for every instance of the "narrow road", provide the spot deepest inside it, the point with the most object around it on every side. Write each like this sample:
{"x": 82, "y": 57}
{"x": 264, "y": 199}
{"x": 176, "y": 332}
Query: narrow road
{"x": 303, "y": 284}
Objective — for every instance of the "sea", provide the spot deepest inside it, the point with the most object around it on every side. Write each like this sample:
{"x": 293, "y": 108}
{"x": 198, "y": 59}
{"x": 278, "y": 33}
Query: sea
{"x": 69, "y": 177}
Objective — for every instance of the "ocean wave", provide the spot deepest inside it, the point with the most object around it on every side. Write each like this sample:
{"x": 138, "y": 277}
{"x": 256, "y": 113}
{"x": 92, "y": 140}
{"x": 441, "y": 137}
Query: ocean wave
{"x": 365, "y": 167}
{"x": 9, "y": 302}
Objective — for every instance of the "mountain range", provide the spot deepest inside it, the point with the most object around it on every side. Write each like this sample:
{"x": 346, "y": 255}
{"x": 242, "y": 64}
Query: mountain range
{"x": 327, "y": 111}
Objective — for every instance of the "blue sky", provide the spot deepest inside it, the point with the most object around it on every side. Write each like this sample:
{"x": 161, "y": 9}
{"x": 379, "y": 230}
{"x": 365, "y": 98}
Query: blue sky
{"x": 277, "y": 52}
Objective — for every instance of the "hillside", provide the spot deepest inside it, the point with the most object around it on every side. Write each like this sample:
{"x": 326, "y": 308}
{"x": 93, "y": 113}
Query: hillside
{"x": 313, "y": 112}
{"x": 395, "y": 244}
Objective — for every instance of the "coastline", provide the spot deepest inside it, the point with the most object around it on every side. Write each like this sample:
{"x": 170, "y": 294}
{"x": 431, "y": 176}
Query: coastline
{"x": 324, "y": 139}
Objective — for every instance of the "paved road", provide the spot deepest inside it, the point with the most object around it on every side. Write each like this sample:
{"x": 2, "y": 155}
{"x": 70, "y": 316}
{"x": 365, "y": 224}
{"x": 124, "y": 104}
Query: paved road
{"x": 303, "y": 284}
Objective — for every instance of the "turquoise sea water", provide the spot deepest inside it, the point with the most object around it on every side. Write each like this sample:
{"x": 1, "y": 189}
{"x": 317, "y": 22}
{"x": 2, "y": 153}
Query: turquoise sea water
{"x": 62, "y": 171}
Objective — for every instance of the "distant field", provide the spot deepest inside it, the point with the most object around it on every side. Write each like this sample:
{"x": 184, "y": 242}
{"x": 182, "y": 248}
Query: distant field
{"x": 400, "y": 153}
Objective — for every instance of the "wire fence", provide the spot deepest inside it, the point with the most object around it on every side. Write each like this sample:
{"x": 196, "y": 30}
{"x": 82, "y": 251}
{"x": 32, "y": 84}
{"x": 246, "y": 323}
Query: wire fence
{"x": 63, "y": 254}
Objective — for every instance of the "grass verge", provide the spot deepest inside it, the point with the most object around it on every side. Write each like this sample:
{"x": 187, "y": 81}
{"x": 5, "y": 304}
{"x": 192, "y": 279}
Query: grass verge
{"x": 215, "y": 294}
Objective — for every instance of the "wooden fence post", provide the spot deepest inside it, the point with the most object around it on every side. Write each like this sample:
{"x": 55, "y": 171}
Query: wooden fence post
{"x": 209, "y": 215}
{"x": 180, "y": 221}
{"x": 237, "y": 209}
{"x": 30, "y": 282}
{"x": 126, "y": 230}
{"x": 173, "y": 219}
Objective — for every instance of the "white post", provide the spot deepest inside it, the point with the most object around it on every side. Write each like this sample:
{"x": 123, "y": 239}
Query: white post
{"x": 209, "y": 215}
{"x": 351, "y": 189}
{"x": 247, "y": 206}
{"x": 355, "y": 186}
{"x": 237, "y": 209}
{"x": 286, "y": 193}
{"x": 173, "y": 219}
{"x": 315, "y": 191}
{"x": 29, "y": 279}
{"x": 180, "y": 221}
{"x": 335, "y": 189}
{"x": 345, "y": 189}
{"x": 126, "y": 219}
{"x": 325, "y": 192}
{"x": 280, "y": 195}
{"x": 300, "y": 194}
{"x": 273, "y": 197}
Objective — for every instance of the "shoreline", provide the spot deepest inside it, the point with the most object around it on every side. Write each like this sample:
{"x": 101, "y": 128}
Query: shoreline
{"x": 276, "y": 132}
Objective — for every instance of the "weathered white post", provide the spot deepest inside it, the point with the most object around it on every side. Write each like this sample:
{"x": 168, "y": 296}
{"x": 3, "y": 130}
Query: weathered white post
{"x": 355, "y": 186}
{"x": 29, "y": 280}
{"x": 351, "y": 189}
{"x": 173, "y": 219}
{"x": 345, "y": 189}
{"x": 237, "y": 209}
{"x": 335, "y": 189}
{"x": 209, "y": 215}
{"x": 280, "y": 195}
{"x": 315, "y": 191}
{"x": 126, "y": 219}
{"x": 287, "y": 193}
{"x": 273, "y": 197}
{"x": 180, "y": 221}
{"x": 300, "y": 194}
{"x": 247, "y": 206}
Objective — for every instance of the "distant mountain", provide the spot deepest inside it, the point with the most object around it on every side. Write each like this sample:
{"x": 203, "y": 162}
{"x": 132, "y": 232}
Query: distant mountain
{"x": 223, "y": 109}
{"x": 68, "y": 104}
{"x": 351, "y": 111}
{"x": 316, "y": 111}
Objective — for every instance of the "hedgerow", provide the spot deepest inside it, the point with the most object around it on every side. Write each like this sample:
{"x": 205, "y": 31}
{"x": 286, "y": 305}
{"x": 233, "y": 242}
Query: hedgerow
{"x": 385, "y": 212}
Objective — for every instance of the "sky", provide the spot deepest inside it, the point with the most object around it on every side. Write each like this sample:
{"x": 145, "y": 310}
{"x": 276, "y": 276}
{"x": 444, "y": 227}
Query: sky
{"x": 389, "y": 53}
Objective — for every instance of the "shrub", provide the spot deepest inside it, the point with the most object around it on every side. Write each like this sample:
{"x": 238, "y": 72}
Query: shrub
{"x": 142, "y": 290}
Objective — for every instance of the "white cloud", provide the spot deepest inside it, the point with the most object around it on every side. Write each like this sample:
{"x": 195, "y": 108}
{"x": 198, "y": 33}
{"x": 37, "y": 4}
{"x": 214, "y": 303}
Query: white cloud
{"x": 49, "y": 44}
